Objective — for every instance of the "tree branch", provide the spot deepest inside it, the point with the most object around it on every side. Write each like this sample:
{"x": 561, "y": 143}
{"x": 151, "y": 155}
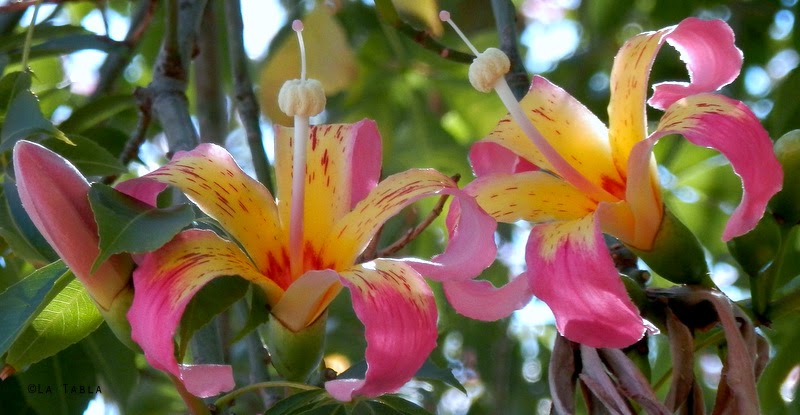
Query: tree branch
{"x": 505, "y": 16}
{"x": 212, "y": 114}
{"x": 246, "y": 102}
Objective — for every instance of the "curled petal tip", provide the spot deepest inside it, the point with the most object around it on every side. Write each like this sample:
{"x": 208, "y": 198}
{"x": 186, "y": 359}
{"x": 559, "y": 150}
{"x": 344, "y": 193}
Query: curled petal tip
{"x": 207, "y": 380}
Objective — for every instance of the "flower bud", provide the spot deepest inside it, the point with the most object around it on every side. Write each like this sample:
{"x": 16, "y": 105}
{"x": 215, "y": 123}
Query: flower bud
{"x": 756, "y": 249}
{"x": 786, "y": 204}
{"x": 295, "y": 355}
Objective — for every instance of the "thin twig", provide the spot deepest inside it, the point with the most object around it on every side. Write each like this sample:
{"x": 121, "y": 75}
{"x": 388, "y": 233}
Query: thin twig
{"x": 131, "y": 149}
{"x": 388, "y": 14}
{"x": 414, "y": 233}
{"x": 246, "y": 102}
{"x": 505, "y": 16}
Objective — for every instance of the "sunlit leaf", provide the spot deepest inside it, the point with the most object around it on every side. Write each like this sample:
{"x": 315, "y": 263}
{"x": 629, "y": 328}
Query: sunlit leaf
{"x": 68, "y": 318}
{"x": 97, "y": 111}
{"x": 128, "y": 225}
{"x": 21, "y": 302}
{"x": 23, "y": 119}
{"x": 89, "y": 157}
{"x": 423, "y": 11}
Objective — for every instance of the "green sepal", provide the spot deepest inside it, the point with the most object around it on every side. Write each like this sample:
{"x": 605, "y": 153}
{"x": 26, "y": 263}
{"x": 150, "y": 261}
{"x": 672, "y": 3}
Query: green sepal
{"x": 295, "y": 355}
{"x": 676, "y": 254}
{"x": 786, "y": 204}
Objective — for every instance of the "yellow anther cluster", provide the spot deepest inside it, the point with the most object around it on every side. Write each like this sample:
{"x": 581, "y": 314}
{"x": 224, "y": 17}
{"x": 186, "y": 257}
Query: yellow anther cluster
{"x": 303, "y": 97}
{"x": 487, "y": 68}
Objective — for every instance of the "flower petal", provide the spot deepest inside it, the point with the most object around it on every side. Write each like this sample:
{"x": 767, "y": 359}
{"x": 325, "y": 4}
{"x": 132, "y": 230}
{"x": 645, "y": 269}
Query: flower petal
{"x": 307, "y": 298}
{"x": 713, "y": 60}
{"x": 532, "y": 196}
{"x": 352, "y": 232}
{"x": 480, "y": 300}
{"x": 470, "y": 248}
{"x": 573, "y": 131}
{"x": 55, "y": 196}
{"x": 487, "y": 157}
{"x": 399, "y": 314}
{"x": 343, "y": 164}
{"x": 727, "y": 125}
{"x": 166, "y": 280}
{"x": 571, "y": 270}
{"x": 210, "y": 177}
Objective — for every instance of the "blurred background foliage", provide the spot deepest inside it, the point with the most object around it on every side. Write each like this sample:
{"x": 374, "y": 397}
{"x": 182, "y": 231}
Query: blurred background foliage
{"x": 428, "y": 115}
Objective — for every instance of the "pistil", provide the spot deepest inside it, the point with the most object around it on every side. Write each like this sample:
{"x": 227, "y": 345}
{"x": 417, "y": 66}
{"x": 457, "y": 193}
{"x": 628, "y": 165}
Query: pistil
{"x": 486, "y": 73}
{"x": 301, "y": 99}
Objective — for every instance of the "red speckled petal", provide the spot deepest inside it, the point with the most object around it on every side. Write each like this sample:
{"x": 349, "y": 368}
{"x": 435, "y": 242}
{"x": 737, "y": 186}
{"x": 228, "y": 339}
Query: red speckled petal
{"x": 399, "y": 314}
{"x": 164, "y": 283}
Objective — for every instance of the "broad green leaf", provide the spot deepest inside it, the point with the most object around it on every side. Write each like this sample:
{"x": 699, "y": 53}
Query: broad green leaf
{"x": 401, "y": 405}
{"x": 15, "y": 41}
{"x": 23, "y": 119}
{"x": 298, "y": 402}
{"x": 115, "y": 364}
{"x": 68, "y": 318}
{"x": 63, "y": 45}
{"x": 11, "y": 85}
{"x": 129, "y": 225}
{"x": 61, "y": 385}
{"x": 374, "y": 408}
{"x": 97, "y": 111}
{"x": 216, "y": 297}
{"x": 21, "y": 302}
{"x": 17, "y": 228}
{"x": 89, "y": 157}
{"x": 431, "y": 371}
{"x": 329, "y": 409}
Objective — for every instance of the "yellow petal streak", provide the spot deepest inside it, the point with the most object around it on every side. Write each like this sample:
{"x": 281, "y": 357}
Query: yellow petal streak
{"x": 629, "y": 79}
{"x": 351, "y": 234}
{"x": 533, "y": 196}
{"x": 241, "y": 205}
{"x": 327, "y": 189}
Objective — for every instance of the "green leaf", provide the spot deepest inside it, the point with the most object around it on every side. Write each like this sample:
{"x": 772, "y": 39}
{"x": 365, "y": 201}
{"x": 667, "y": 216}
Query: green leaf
{"x": 68, "y": 318}
{"x": 17, "y": 228}
{"x": 23, "y": 119}
{"x": 431, "y": 371}
{"x": 402, "y": 405}
{"x": 115, "y": 364}
{"x": 61, "y": 385}
{"x": 21, "y": 302}
{"x": 257, "y": 314}
{"x": 89, "y": 157}
{"x": 64, "y": 45}
{"x": 11, "y": 85}
{"x": 298, "y": 402}
{"x": 374, "y": 408}
{"x": 216, "y": 297}
{"x": 129, "y": 225}
{"x": 12, "y": 395}
{"x": 97, "y": 111}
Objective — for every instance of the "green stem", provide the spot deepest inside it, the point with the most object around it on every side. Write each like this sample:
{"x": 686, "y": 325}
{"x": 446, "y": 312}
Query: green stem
{"x": 26, "y": 49}
{"x": 225, "y": 400}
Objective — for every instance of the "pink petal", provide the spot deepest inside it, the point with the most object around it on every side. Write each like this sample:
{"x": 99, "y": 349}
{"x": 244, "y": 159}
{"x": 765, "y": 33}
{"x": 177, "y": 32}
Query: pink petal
{"x": 307, "y": 298}
{"x": 55, "y": 195}
{"x": 480, "y": 300}
{"x": 471, "y": 247}
{"x": 713, "y": 60}
{"x": 399, "y": 314}
{"x": 207, "y": 380}
{"x": 164, "y": 283}
{"x": 144, "y": 190}
{"x": 571, "y": 270}
{"x": 487, "y": 157}
{"x": 727, "y": 125}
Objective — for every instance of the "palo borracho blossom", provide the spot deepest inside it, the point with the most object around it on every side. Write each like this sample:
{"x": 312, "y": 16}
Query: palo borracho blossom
{"x": 301, "y": 246}
{"x": 553, "y": 163}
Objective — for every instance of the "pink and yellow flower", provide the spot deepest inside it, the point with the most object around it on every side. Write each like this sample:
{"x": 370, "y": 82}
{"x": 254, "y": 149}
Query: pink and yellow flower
{"x": 556, "y": 165}
{"x": 344, "y": 206}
